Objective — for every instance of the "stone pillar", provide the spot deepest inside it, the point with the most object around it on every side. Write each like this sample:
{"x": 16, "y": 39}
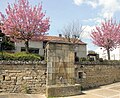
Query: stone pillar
{"x": 60, "y": 70}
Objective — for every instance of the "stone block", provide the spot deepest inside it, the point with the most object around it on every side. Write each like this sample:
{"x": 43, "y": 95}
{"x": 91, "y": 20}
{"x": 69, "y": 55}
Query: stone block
{"x": 50, "y": 70}
{"x": 59, "y": 53}
{"x": 70, "y": 70}
{"x": 14, "y": 71}
{"x": 49, "y": 82}
{"x": 13, "y": 78}
{"x": 71, "y": 55}
{"x": 71, "y": 48}
{"x": 52, "y": 46}
{"x": 58, "y": 59}
{"x": 1, "y": 77}
{"x": 66, "y": 59}
{"x": 63, "y": 90}
{"x": 51, "y": 52}
{"x": 58, "y": 46}
{"x": 49, "y": 65}
{"x": 27, "y": 77}
{"x": 7, "y": 78}
{"x": 49, "y": 76}
{"x": 65, "y": 47}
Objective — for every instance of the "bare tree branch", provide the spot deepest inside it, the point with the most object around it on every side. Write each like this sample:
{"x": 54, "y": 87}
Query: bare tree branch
{"x": 73, "y": 30}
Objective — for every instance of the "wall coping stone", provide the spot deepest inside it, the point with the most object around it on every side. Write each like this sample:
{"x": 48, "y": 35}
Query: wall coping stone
{"x": 98, "y": 63}
{"x": 11, "y": 62}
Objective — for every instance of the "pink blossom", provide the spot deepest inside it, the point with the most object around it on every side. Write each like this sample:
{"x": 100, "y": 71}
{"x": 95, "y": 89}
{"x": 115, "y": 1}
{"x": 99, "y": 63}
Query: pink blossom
{"x": 24, "y": 21}
{"x": 106, "y": 35}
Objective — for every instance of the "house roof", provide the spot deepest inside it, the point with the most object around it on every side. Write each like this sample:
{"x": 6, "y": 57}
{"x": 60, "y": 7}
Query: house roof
{"x": 59, "y": 39}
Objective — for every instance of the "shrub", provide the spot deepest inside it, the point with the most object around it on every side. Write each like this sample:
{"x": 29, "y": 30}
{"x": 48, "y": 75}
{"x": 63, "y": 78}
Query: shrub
{"x": 6, "y": 56}
{"x": 83, "y": 59}
{"x": 20, "y": 56}
{"x": 26, "y": 56}
{"x": 91, "y": 59}
{"x": 100, "y": 59}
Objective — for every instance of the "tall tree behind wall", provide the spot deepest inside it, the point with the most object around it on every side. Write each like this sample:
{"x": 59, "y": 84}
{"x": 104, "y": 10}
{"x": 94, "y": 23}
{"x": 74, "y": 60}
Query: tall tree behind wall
{"x": 106, "y": 35}
{"x": 24, "y": 22}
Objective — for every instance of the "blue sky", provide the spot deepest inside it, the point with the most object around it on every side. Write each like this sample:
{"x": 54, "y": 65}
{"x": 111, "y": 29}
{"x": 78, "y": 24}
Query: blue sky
{"x": 89, "y": 13}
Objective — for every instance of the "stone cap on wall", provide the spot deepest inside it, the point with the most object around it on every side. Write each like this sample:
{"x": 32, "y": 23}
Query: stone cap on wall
{"x": 98, "y": 63}
{"x": 12, "y": 62}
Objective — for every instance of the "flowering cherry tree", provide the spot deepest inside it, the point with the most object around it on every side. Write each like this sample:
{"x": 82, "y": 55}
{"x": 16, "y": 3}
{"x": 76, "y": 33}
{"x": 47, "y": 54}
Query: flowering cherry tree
{"x": 24, "y": 22}
{"x": 106, "y": 35}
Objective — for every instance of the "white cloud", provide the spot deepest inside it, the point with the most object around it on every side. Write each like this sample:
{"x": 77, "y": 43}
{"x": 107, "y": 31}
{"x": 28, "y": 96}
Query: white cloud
{"x": 89, "y": 2}
{"x": 87, "y": 31}
{"x": 93, "y": 4}
{"x": 95, "y": 20}
{"x": 78, "y": 2}
{"x": 108, "y": 7}
{"x": 107, "y": 14}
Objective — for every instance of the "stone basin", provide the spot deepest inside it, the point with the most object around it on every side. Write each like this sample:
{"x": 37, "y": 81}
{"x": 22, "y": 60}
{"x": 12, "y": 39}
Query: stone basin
{"x": 63, "y": 90}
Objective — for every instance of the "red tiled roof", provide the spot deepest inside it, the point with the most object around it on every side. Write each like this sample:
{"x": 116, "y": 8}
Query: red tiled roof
{"x": 56, "y": 38}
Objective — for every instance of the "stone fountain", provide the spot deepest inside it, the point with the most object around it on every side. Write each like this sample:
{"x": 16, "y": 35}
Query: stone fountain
{"x": 61, "y": 70}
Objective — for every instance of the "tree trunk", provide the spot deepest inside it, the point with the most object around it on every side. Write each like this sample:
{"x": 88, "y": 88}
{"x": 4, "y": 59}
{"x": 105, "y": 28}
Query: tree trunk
{"x": 27, "y": 46}
{"x": 108, "y": 53}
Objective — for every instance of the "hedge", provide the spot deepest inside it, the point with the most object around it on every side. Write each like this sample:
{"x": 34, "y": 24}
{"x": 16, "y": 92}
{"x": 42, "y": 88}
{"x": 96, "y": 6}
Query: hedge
{"x": 21, "y": 56}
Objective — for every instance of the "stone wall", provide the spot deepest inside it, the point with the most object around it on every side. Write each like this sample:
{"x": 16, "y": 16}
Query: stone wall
{"x": 22, "y": 78}
{"x": 32, "y": 78}
{"x": 96, "y": 75}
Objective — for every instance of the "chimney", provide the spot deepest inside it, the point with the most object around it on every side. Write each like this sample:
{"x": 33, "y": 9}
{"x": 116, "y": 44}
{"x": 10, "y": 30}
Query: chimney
{"x": 60, "y": 35}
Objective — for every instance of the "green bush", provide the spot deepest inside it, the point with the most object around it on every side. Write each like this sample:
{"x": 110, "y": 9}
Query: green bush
{"x": 83, "y": 59}
{"x": 91, "y": 59}
{"x": 100, "y": 59}
{"x": 6, "y": 56}
{"x": 26, "y": 56}
{"x": 21, "y": 56}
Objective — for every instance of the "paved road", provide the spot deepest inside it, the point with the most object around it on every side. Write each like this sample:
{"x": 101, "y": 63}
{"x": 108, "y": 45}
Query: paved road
{"x": 108, "y": 91}
{"x": 22, "y": 96}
